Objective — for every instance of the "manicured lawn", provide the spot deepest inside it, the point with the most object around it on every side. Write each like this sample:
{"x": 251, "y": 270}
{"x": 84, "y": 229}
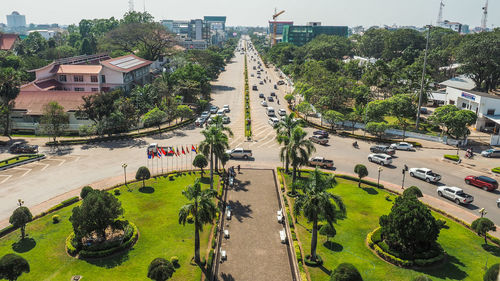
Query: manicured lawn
{"x": 154, "y": 210}
{"x": 466, "y": 256}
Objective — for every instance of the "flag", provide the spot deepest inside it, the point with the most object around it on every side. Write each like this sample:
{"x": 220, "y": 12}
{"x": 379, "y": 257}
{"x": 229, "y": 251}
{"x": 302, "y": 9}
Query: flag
{"x": 158, "y": 153}
{"x": 193, "y": 149}
{"x": 196, "y": 149}
{"x": 187, "y": 149}
{"x": 163, "y": 151}
{"x": 153, "y": 154}
{"x": 171, "y": 150}
{"x": 183, "y": 152}
{"x": 178, "y": 151}
{"x": 149, "y": 154}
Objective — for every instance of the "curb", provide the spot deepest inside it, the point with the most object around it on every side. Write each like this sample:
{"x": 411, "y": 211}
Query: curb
{"x": 23, "y": 162}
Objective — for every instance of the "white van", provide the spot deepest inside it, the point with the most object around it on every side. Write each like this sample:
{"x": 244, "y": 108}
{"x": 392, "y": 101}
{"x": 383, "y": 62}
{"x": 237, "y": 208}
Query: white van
{"x": 270, "y": 111}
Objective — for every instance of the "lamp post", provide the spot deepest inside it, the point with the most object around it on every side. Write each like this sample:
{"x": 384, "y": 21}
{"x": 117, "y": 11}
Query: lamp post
{"x": 380, "y": 169}
{"x": 423, "y": 77}
{"x": 124, "y": 166}
{"x": 482, "y": 212}
{"x": 404, "y": 170}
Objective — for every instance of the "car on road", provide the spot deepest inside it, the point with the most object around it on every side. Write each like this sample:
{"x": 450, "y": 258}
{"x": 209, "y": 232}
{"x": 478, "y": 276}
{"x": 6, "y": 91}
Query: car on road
{"x": 239, "y": 153}
{"x": 321, "y": 161}
{"x": 382, "y": 149}
{"x": 261, "y": 82}
{"x": 226, "y": 108}
{"x": 484, "y": 182}
{"x": 319, "y": 139}
{"x": 263, "y": 103}
{"x": 281, "y": 82}
{"x": 455, "y": 194}
{"x": 380, "y": 158}
{"x": 270, "y": 99}
{"x": 254, "y": 88}
{"x": 258, "y": 76}
{"x": 490, "y": 153}
{"x": 424, "y": 174}
{"x": 321, "y": 133}
{"x": 226, "y": 120}
{"x": 19, "y": 147}
{"x": 252, "y": 75}
{"x": 205, "y": 114}
{"x": 402, "y": 146}
{"x": 214, "y": 109}
{"x": 275, "y": 87}
{"x": 282, "y": 112}
{"x": 273, "y": 121}
{"x": 273, "y": 94}
{"x": 498, "y": 202}
{"x": 261, "y": 95}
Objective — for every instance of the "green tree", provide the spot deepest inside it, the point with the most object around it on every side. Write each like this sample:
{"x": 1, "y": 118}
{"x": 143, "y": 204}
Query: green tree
{"x": 32, "y": 45}
{"x": 99, "y": 210}
{"x": 284, "y": 133}
{"x": 324, "y": 47}
{"x": 54, "y": 120}
{"x": 413, "y": 191}
{"x": 376, "y": 128}
{"x": 492, "y": 273}
{"x": 184, "y": 112}
{"x": 142, "y": 174}
{"x": 289, "y": 98}
{"x": 201, "y": 207}
{"x": 356, "y": 116}
{"x": 215, "y": 141}
{"x": 345, "y": 272}
{"x": 422, "y": 278}
{"x": 453, "y": 120}
{"x": 328, "y": 230}
{"x": 316, "y": 203}
{"x": 403, "y": 108}
{"x": 481, "y": 226}
{"x": 12, "y": 266}
{"x": 85, "y": 191}
{"x": 410, "y": 227}
{"x": 20, "y": 217}
{"x": 332, "y": 117}
{"x": 372, "y": 42}
{"x": 299, "y": 149}
{"x": 160, "y": 269}
{"x": 361, "y": 171}
{"x": 10, "y": 81}
{"x": 305, "y": 108}
{"x": 154, "y": 117}
{"x": 200, "y": 161}
{"x": 376, "y": 110}
{"x": 137, "y": 17}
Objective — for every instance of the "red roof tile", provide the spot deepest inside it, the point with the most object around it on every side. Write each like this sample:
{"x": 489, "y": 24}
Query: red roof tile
{"x": 48, "y": 84}
{"x": 7, "y": 41}
{"x": 34, "y": 102}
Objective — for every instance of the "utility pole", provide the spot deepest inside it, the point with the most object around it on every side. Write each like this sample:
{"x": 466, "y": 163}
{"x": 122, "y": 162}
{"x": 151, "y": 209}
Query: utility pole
{"x": 380, "y": 169}
{"x": 423, "y": 77}
{"x": 130, "y": 5}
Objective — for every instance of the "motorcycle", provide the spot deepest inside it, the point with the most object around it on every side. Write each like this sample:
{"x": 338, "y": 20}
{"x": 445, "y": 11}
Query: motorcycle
{"x": 355, "y": 144}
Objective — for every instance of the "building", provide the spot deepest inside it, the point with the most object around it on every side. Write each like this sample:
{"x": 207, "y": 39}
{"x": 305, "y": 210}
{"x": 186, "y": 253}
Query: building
{"x": 94, "y": 73}
{"x": 190, "y": 33}
{"x": 314, "y": 23}
{"x": 193, "y": 44}
{"x": 16, "y": 20}
{"x": 8, "y": 41}
{"x": 455, "y": 26}
{"x": 279, "y": 26}
{"x": 214, "y": 29}
{"x": 195, "y": 29}
{"x": 302, "y": 34}
{"x": 47, "y": 34}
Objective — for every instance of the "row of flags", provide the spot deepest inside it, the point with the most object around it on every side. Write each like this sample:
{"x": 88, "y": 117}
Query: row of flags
{"x": 171, "y": 151}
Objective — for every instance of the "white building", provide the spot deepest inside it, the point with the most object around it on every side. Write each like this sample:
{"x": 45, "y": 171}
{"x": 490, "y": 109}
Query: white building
{"x": 16, "y": 20}
{"x": 47, "y": 34}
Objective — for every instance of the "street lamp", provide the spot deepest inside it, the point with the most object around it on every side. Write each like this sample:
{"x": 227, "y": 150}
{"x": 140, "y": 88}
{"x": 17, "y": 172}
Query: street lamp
{"x": 380, "y": 169}
{"x": 482, "y": 212}
{"x": 124, "y": 166}
{"x": 423, "y": 76}
{"x": 404, "y": 170}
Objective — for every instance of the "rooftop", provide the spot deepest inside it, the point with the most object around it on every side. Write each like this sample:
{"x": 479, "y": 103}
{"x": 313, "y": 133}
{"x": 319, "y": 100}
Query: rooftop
{"x": 78, "y": 69}
{"x": 33, "y": 102}
{"x": 7, "y": 41}
{"x": 462, "y": 82}
{"x": 126, "y": 63}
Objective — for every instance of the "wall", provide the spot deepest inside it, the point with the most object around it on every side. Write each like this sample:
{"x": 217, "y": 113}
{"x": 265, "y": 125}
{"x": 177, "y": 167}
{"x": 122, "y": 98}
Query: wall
{"x": 112, "y": 76}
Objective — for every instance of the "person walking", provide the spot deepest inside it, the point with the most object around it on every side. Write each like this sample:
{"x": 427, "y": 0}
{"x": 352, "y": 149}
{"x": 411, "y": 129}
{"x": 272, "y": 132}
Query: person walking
{"x": 238, "y": 169}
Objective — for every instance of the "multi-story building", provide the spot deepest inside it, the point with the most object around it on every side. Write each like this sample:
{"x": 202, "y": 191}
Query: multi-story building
{"x": 190, "y": 33}
{"x": 279, "y": 28}
{"x": 45, "y": 33}
{"x": 302, "y": 34}
{"x": 455, "y": 26}
{"x": 16, "y": 20}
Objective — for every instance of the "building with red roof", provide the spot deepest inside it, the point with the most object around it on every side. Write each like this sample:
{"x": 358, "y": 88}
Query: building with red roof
{"x": 8, "y": 41}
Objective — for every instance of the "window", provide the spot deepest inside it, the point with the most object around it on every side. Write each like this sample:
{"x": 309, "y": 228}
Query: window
{"x": 93, "y": 79}
{"x": 78, "y": 78}
{"x": 103, "y": 78}
{"x": 464, "y": 105}
{"x": 491, "y": 112}
{"x": 95, "y": 89}
{"x": 452, "y": 102}
{"x": 79, "y": 89}
{"x": 62, "y": 78}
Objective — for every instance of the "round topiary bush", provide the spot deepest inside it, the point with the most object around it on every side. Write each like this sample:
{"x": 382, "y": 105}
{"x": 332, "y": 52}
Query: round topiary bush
{"x": 413, "y": 191}
{"x": 317, "y": 262}
{"x": 345, "y": 272}
{"x": 85, "y": 191}
{"x": 116, "y": 192}
{"x": 175, "y": 261}
{"x": 56, "y": 219}
{"x": 492, "y": 273}
{"x": 160, "y": 269}
{"x": 421, "y": 278}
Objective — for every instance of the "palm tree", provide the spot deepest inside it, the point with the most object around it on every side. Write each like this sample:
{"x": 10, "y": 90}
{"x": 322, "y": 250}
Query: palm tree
{"x": 317, "y": 203}
{"x": 217, "y": 122}
{"x": 299, "y": 149}
{"x": 283, "y": 134}
{"x": 201, "y": 207}
{"x": 215, "y": 142}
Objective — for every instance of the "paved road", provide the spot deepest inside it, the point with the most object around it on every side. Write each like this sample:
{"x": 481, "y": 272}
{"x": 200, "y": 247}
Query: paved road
{"x": 77, "y": 166}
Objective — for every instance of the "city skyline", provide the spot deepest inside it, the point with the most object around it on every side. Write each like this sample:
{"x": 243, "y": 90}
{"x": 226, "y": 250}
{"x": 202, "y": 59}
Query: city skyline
{"x": 366, "y": 12}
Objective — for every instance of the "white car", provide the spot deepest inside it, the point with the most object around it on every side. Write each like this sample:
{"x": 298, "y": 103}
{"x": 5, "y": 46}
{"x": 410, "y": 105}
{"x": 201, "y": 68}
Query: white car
{"x": 282, "y": 112}
{"x": 402, "y": 146}
{"x": 380, "y": 158}
{"x": 273, "y": 121}
{"x": 263, "y": 103}
{"x": 226, "y": 108}
{"x": 226, "y": 120}
{"x": 498, "y": 202}
{"x": 221, "y": 112}
{"x": 424, "y": 174}
{"x": 205, "y": 114}
{"x": 455, "y": 194}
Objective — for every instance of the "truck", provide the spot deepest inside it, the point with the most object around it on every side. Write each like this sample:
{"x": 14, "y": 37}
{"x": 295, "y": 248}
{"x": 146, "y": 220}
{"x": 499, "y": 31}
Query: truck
{"x": 321, "y": 161}
{"x": 19, "y": 147}
{"x": 239, "y": 153}
{"x": 455, "y": 194}
{"x": 425, "y": 174}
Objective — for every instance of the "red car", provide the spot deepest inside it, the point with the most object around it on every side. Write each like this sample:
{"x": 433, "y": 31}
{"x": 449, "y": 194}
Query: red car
{"x": 486, "y": 183}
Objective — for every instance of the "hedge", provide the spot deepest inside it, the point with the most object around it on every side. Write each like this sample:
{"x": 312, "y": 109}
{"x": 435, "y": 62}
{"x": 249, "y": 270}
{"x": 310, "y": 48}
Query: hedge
{"x": 102, "y": 253}
{"x": 210, "y": 260}
{"x": 452, "y": 157}
{"x": 496, "y": 170}
{"x": 70, "y": 248}
{"x": 376, "y": 139}
{"x": 367, "y": 182}
{"x": 17, "y": 159}
{"x": 61, "y": 205}
{"x": 248, "y": 127}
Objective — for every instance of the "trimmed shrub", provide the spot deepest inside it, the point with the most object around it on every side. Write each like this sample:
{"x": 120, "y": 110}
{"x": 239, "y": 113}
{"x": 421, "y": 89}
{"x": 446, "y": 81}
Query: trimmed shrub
{"x": 413, "y": 191}
{"x": 85, "y": 191}
{"x": 96, "y": 251}
{"x": 175, "y": 261}
{"x": 160, "y": 269}
{"x": 492, "y": 273}
{"x": 421, "y": 278}
{"x": 496, "y": 170}
{"x": 116, "y": 192}
{"x": 56, "y": 219}
{"x": 72, "y": 250}
{"x": 345, "y": 272}
{"x": 455, "y": 158}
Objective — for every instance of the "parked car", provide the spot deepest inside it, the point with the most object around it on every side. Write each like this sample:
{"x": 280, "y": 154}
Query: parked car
{"x": 200, "y": 121}
{"x": 273, "y": 121}
{"x": 214, "y": 109}
{"x": 498, "y": 202}
{"x": 226, "y": 108}
{"x": 382, "y": 149}
{"x": 424, "y": 174}
{"x": 402, "y": 146}
{"x": 254, "y": 88}
{"x": 282, "y": 112}
{"x": 226, "y": 120}
{"x": 273, "y": 94}
{"x": 263, "y": 103}
{"x": 455, "y": 194}
{"x": 321, "y": 133}
{"x": 484, "y": 182}
{"x": 319, "y": 139}
{"x": 261, "y": 82}
{"x": 270, "y": 99}
{"x": 379, "y": 158}
{"x": 321, "y": 161}
{"x": 221, "y": 112}
{"x": 261, "y": 95}
{"x": 281, "y": 82}
{"x": 239, "y": 153}
{"x": 491, "y": 153}
{"x": 19, "y": 147}
{"x": 252, "y": 75}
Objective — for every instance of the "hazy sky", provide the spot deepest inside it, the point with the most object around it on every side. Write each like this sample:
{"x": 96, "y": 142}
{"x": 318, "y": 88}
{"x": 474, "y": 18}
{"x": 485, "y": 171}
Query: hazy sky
{"x": 258, "y": 12}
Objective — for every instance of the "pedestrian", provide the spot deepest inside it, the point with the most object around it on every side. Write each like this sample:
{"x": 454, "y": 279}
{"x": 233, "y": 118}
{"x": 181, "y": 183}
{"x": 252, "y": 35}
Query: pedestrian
{"x": 278, "y": 101}
{"x": 238, "y": 169}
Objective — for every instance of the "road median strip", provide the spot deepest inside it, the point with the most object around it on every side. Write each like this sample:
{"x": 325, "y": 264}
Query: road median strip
{"x": 20, "y": 160}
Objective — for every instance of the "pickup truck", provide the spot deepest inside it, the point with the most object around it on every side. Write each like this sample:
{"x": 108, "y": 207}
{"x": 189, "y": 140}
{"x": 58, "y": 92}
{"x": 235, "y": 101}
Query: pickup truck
{"x": 425, "y": 174}
{"x": 239, "y": 153}
{"x": 319, "y": 139}
{"x": 455, "y": 194}
{"x": 19, "y": 147}
{"x": 321, "y": 161}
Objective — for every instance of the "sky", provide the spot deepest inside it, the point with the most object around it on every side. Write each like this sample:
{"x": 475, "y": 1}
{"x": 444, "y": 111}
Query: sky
{"x": 258, "y": 12}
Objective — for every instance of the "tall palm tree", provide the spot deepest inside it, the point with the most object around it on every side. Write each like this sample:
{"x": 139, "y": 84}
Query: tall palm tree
{"x": 215, "y": 141}
{"x": 201, "y": 207}
{"x": 299, "y": 149}
{"x": 317, "y": 203}
{"x": 217, "y": 122}
{"x": 283, "y": 134}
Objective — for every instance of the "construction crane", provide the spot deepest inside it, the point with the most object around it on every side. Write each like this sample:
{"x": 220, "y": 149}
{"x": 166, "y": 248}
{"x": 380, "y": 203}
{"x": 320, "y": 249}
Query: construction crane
{"x": 275, "y": 26}
{"x": 484, "y": 20}
{"x": 440, "y": 15}
{"x": 130, "y": 5}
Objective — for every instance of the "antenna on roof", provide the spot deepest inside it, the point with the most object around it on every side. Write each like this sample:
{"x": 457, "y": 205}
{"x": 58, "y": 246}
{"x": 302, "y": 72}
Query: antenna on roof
{"x": 130, "y": 5}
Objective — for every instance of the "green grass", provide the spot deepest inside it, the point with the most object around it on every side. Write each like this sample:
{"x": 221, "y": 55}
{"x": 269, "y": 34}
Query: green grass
{"x": 17, "y": 159}
{"x": 496, "y": 170}
{"x": 365, "y": 205}
{"x": 160, "y": 235}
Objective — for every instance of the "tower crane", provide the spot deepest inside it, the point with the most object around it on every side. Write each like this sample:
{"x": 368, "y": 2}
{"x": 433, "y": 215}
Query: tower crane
{"x": 440, "y": 15}
{"x": 275, "y": 26}
{"x": 484, "y": 20}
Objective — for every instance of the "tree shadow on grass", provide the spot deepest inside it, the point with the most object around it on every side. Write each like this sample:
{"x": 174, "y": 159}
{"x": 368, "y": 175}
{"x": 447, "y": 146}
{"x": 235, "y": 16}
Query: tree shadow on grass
{"x": 147, "y": 189}
{"x": 492, "y": 249}
{"x": 24, "y": 245}
{"x": 112, "y": 261}
{"x": 226, "y": 277}
{"x": 205, "y": 180}
{"x": 447, "y": 270}
{"x": 325, "y": 270}
{"x": 333, "y": 246}
{"x": 370, "y": 190}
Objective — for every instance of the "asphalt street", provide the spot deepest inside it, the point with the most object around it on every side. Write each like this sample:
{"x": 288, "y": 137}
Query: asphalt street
{"x": 70, "y": 168}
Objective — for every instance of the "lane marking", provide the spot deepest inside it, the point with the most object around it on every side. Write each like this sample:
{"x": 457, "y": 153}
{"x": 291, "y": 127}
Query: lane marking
{"x": 8, "y": 177}
{"x": 46, "y": 165}
{"x": 22, "y": 169}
